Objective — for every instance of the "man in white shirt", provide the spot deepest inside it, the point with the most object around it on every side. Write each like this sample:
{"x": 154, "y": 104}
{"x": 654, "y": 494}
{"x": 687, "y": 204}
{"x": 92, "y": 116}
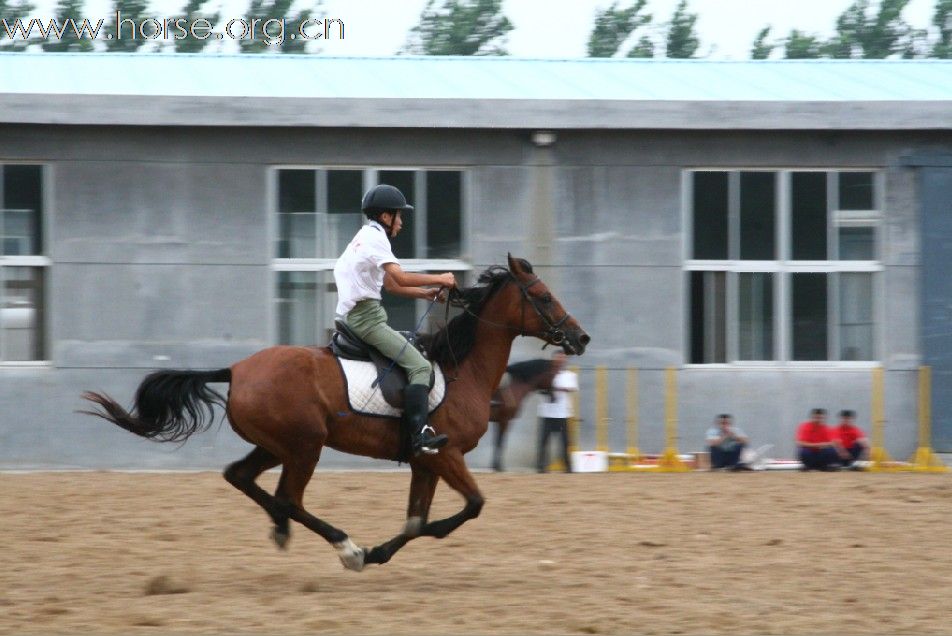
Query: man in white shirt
{"x": 554, "y": 411}
{"x": 366, "y": 266}
{"x": 725, "y": 442}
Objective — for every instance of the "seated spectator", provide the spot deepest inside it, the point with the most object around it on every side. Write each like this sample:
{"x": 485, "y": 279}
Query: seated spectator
{"x": 725, "y": 443}
{"x": 851, "y": 438}
{"x": 817, "y": 450}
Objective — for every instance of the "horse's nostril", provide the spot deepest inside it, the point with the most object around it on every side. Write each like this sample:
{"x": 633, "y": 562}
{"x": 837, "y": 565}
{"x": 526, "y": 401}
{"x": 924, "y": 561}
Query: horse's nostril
{"x": 584, "y": 339}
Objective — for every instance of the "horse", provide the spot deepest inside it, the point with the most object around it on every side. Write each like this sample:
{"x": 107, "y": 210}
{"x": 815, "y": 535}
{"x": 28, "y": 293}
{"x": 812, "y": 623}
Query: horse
{"x": 290, "y": 402}
{"x": 524, "y": 378}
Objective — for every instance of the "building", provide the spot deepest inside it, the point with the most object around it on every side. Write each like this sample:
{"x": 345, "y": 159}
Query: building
{"x": 775, "y": 230}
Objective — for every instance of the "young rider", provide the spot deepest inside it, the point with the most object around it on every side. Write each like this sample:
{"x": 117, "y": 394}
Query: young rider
{"x": 368, "y": 264}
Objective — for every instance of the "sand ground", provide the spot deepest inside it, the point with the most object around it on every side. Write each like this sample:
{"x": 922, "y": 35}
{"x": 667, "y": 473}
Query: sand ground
{"x": 699, "y": 553}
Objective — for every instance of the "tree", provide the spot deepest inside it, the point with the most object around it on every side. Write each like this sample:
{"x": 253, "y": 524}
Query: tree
{"x": 872, "y": 37}
{"x": 460, "y": 27}
{"x": 682, "y": 39}
{"x": 802, "y": 46}
{"x": 614, "y": 26}
{"x": 12, "y": 12}
{"x": 942, "y": 19}
{"x": 762, "y": 49}
{"x": 123, "y": 35}
{"x": 69, "y": 10}
{"x": 192, "y": 12}
{"x": 265, "y": 10}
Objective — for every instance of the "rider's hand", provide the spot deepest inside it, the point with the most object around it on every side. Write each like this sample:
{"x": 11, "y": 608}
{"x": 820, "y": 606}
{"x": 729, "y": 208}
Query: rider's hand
{"x": 447, "y": 280}
{"x": 435, "y": 293}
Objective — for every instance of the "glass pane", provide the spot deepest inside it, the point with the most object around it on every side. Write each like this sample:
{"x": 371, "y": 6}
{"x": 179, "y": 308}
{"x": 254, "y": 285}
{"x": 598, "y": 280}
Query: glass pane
{"x": 857, "y": 244}
{"x": 757, "y": 216}
{"x": 808, "y": 212}
{"x": 856, "y": 190}
{"x": 401, "y": 312}
{"x": 297, "y": 308}
{"x": 809, "y": 316}
{"x": 343, "y": 218}
{"x": 404, "y": 246}
{"x": 856, "y": 316}
{"x": 22, "y": 220}
{"x": 710, "y": 215}
{"x": 444, "y": 205}
{"x": 708, "y": 342}
{"x": 21, "y": 314}
{"x": 755, "y": 316}
{"x": 296, "y": 208}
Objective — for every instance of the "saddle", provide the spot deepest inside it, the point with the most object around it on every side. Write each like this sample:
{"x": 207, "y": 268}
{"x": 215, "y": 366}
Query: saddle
{"x": 391, "y": 378}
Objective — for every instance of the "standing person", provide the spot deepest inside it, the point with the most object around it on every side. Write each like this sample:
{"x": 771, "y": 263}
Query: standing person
{"x": 726, "y": 442}
{"x": 851, "y": 438}
{"x": 817, "y": 449}
{"x": 554, "y": 412}
{"x": 368, "y": 264}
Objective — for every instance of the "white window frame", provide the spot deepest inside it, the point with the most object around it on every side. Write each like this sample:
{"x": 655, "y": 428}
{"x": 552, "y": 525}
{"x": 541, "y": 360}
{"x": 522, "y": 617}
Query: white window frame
{"x": 370, "y": 178}
{"x": 32, "y": 261}
{"x": 783, "y": 267}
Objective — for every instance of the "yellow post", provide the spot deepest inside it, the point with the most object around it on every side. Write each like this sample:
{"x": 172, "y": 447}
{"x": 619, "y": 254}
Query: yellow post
{"x": 634, "y": 455}
{"x": 601, "y": 409}
{"x": 880, "y": 461}
{"x": 669, "y": 461}
{"x": 925, "y": 460}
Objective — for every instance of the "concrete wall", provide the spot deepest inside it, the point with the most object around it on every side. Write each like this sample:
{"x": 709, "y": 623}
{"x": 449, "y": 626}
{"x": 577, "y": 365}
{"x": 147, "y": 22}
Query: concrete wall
{"x": 160, "y": 248}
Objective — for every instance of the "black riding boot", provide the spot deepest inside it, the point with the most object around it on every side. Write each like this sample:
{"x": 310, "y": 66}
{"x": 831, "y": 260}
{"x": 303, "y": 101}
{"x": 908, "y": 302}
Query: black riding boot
{"x": 422, "y": 436}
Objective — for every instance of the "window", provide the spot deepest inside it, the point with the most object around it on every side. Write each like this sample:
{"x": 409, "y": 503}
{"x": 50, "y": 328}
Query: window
{"x": 318, "y": 213}
{"x": 23, "y": 265}
{"x": 782, "y": 265}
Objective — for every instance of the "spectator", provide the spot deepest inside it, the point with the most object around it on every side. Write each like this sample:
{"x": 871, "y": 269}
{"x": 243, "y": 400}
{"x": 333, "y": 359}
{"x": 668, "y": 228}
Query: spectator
{"x": 726, "y": 442}
{"x": 851, "y": 438}
{"x": 817, "y": 448}
{"x": 554, "y": 411}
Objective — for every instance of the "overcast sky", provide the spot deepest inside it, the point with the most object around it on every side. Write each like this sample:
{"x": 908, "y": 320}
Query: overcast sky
{"x": 560, "y": 28}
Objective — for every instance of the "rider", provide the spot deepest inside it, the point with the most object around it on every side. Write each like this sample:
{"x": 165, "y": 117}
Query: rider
{"x": 368, "y": 264}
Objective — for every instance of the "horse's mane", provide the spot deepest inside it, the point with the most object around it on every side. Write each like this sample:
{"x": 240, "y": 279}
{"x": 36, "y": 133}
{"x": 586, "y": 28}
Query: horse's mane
{"x": 451, "y": 344}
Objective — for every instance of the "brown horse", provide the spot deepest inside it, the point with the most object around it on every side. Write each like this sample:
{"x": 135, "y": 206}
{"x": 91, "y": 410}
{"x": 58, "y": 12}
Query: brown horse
{"x": 290, "y": 402}
{"x": 524, "y": 378}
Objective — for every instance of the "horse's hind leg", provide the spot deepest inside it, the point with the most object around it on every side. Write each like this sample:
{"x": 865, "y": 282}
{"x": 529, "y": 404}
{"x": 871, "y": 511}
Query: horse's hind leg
{"x": 422, "y": 486}
{"x": 242, "y": 475}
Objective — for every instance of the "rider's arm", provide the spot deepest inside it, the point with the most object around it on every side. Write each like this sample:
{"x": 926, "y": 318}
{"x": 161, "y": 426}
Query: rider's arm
{"x": 408, "y": 292}
{"x": 400, "y": 278}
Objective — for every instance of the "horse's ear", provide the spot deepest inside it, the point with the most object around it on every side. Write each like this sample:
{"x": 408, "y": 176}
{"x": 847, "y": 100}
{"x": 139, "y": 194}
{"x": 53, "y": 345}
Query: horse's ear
{"x": 514, "y": 265}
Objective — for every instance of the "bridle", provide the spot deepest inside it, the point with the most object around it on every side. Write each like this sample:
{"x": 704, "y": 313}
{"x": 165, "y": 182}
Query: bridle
{"x": 553, "y": 332}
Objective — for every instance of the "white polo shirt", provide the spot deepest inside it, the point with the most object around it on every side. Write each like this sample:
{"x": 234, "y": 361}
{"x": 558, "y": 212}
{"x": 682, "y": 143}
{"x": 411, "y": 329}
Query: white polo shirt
{"x": 358, "y": 272}
{"x": 558, "y": 406}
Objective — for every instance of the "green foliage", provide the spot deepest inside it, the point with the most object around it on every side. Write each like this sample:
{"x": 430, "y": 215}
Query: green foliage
{"x": 613, "y": 26}
{"x": 802, "y": 46}
{"x": 878, "y": 36}
{"x": 761, "y": 48}
{"x": 942, "y": 20}
{"x": 460, "y": 27}
{"x": 11, "y": 11}
{"x": 682, "y": 38}
{"x": 191, "y": 12}
{"x": 65, "y": 10}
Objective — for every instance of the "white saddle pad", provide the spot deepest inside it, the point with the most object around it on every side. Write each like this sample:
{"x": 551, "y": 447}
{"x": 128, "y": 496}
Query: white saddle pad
{"x": 368, "y": 400}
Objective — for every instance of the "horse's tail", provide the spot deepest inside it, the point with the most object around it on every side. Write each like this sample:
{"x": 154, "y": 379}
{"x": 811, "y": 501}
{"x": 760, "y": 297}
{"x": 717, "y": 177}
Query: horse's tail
{"x": 169, "y": 406}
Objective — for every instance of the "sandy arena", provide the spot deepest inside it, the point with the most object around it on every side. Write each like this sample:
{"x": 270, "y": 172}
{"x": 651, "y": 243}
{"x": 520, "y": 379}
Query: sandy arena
{"x": 702, "y": 553}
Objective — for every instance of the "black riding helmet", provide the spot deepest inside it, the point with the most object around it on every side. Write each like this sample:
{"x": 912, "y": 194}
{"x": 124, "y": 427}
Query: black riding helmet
{"x": 383, "y": 198}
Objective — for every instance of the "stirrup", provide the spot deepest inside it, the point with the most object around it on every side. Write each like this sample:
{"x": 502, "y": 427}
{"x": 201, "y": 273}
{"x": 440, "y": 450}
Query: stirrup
{"x": 429, "y": 446}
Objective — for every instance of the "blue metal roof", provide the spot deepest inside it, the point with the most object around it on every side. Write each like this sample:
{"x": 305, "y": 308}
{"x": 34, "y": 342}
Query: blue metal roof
{"x": 473, "y": 78}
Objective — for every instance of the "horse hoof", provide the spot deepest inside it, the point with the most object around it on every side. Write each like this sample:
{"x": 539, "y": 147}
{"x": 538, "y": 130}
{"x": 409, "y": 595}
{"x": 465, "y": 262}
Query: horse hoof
{"x": 351, "y": 555}
{"x": 280, "y": 538}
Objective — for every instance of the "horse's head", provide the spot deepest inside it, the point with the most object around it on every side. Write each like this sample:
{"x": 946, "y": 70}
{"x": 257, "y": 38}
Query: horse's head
{"x": 539, "y": 313}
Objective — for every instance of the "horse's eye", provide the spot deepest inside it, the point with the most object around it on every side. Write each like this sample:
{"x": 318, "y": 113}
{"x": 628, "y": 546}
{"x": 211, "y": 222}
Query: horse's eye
{"x": 547, "y": 298}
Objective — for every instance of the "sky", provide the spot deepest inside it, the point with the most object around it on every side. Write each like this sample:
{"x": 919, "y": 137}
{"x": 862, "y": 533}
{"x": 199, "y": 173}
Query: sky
{"x": 560, "y": 28}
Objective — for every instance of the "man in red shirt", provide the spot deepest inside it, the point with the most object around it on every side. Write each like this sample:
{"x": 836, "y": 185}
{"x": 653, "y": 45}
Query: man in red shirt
{"x": 851, "y": 438}
{"x": 817, "y": 450}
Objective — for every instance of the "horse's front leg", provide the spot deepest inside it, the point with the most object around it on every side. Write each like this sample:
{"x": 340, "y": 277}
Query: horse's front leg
{"x": 422, "y": 486}
{"x": 452, "y": 468}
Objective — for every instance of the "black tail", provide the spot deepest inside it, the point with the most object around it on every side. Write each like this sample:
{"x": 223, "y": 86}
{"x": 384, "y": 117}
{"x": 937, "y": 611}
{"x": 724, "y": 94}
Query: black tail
{"x": 169, "y": 407}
